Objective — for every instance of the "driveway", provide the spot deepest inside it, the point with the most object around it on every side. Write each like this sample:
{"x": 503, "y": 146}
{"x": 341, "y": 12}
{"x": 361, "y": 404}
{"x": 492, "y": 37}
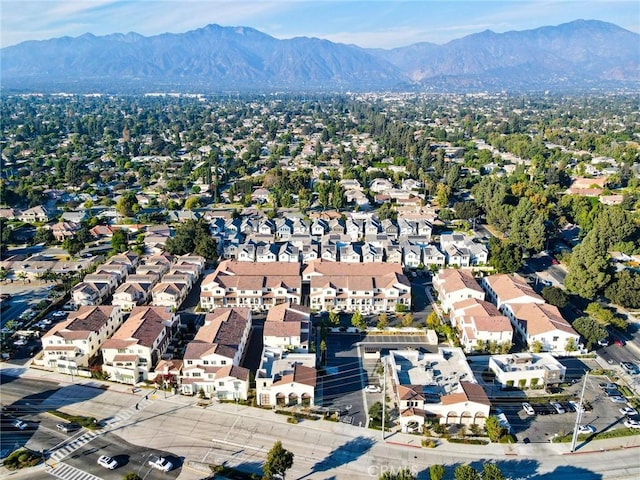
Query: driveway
{"x": 342, "y": 385}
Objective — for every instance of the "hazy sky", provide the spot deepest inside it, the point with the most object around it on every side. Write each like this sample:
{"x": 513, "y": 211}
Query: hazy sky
{"x": 381, "y": 23}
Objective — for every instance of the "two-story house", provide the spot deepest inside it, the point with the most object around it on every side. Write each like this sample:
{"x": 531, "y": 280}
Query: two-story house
{"x": 138, "y": 345}
{"x": 455, "y": 285}
{"x": 70, "y": 345}
{"x": 218, "y": 345}
{"x": 288, "y": 327}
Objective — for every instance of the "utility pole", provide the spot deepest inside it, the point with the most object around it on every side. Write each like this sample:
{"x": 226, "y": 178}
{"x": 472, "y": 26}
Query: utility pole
{"x": 384, "y": 391}
{"x": 579, "y": 415}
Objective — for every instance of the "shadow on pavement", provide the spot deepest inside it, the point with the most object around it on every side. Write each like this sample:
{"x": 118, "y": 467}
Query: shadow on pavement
{"x": 346, "y": 453}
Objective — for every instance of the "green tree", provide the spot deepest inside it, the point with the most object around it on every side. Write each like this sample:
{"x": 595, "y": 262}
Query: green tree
{"x": 590, "y": 329}
{"x": 443, "y": 194}
{"x": 570, "y": 345}
{"x": 588, "y": 267}
{"x": 436, "y": 472}
{"x": 490, "y": 471}
{"x": 119, "y": 241}
{"x": 605, "y": 316}
{"x": 72, "y": 245}
{"x": 375, "y": 414}
{"x": 466, "y": 210}
{"x": 43, "y": 235}
{"x": 357, "y": 320}
{"x": 624, "y": 289}
{"x": 126, "y": 203}
{"x": 193, "y": 236}
{"x": 433, "y": 321}
{"x": 323, "y": 351}
{"x": 191, "y": 203}
{"x": 131, "y": 476}
{"x": 555, "y": 296}
{"x": 493, "y": 428}
{"x": 334, "y": 318}
{"x": 407, "y": 320}
{"x": 383, "y": 321}
{"x": 466, "y": 472}
{"x": 536, "y": 346}
{"x": 278, "y": 461}
{"x": 505, "y": 257}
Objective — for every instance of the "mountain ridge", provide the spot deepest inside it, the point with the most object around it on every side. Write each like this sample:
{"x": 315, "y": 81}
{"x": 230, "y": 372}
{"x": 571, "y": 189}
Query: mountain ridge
{"x": 582, "y": 53}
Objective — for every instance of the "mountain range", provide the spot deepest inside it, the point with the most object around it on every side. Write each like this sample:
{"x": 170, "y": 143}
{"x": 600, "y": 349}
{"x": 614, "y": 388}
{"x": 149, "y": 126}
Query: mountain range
{"x": 580, "y": 55}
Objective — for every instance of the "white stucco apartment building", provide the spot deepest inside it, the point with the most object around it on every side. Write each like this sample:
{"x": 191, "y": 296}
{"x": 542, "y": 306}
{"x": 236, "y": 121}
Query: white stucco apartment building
{"x": 70, "y": 345}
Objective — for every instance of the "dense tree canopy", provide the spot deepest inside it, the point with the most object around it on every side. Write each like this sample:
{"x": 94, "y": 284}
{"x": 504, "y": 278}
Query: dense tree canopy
{"x": 504, "y": 256}
{"x": 590, "y": 329}
{"x": 193, "y": 236}
{"x": 624, "y": 290}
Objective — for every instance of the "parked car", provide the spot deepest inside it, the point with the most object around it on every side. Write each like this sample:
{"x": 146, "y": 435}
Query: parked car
{"x": 528, "y": 409}
{"x": 629, "y": 423}
{"x": 629, "y": 411}
{"x": 21, "y": 342}
{"x": 577, "y": 407}
{"x": 603, "y": 342}
{"x": 544, "y": 409}
{"x": 68, "y": 427}
{"x": 618, "y": 341}
{"x": 629, "y": 368}
{"x": 586, "y": 429}
{"x": 19, "y": 424}
{"x": 608, "y": 385}
{"x": 616, "y": 399}
{"x": 372, "y": 389}
{"x": 160, "y": 463}
{"x": 612, "y": 392}
{"x": 557, "y": 407}
{"x": 107, "y": 462}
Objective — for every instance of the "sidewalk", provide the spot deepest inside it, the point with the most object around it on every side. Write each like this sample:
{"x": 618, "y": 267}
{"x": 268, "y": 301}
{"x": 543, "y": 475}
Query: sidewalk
{"x": 393, "y": 439}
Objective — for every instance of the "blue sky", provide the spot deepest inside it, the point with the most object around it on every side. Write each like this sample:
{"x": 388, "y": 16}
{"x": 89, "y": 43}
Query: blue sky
{"x": 377, "y": 23}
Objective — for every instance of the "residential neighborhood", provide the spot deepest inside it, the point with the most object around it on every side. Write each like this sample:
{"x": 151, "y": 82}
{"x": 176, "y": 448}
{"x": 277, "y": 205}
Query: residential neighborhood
{"x": 420, "y": 279}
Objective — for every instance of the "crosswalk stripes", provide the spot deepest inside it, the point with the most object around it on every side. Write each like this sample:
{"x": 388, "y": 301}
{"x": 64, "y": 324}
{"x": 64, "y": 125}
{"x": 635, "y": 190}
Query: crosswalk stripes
{"x": 73, "y": 446}
{"x": 64, "y": 471}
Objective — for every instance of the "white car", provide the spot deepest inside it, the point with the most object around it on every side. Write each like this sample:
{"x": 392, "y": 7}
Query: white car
{"x": 528, "y": 409}
{"x": 107, "y": 462}
{"x": 19, "y": 424}
{"x": 631, "y": 423}
{"x": 160, "y": 463}
{"x": 586, "y": 429}
{"x": 20, "y": 342}
{"x": 630, "y": 411}
{"x": 372, "y": 389}
{"x": 617, "y": 399}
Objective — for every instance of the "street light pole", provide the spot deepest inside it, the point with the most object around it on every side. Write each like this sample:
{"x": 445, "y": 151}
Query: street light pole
{"x": 579, "y": 415}
{"x": 384, "y": 391}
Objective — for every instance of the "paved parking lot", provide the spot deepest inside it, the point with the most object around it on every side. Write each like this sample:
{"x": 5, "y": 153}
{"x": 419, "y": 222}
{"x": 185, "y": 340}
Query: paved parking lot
{"x": 343, "y": 384}
{"x": 602, "y": 413}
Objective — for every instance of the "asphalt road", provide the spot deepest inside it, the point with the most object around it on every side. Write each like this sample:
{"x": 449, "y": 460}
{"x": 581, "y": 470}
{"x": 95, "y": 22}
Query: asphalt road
{"x": 30, "y": 400}
{"x": 241, "y": 436}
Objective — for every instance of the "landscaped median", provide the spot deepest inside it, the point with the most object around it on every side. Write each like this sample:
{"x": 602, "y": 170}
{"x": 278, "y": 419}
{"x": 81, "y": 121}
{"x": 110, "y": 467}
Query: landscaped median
{"x": 22, "y": 458}
{"x": 90, "y": 423}
{"x": 613, "y": 433}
